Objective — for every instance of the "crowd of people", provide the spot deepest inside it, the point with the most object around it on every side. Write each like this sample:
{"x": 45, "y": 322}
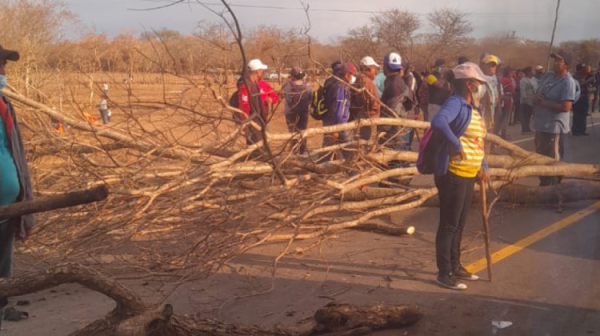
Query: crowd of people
{"x": 462, "y": 103}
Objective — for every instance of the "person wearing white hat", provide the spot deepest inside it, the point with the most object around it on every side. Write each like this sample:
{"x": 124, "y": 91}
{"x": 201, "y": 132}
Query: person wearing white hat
{"x": 251, "y": 101}
{"x": 365, "y": 102}
{"x": 539, "y": 72}
{"x": 268, "y": 95}
{"x": 458, "y": 161}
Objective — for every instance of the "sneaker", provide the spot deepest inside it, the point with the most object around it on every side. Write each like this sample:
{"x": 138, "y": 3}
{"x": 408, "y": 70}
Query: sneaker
{"x": 463, "y": 274}
{"x": 447, "y": 281}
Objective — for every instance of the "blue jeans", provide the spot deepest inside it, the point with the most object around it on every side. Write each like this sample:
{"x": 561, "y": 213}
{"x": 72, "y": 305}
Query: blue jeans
{"x": 7, "y": 238}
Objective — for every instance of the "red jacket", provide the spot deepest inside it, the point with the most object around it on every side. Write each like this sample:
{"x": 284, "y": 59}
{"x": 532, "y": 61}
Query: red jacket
{"x": 510, "y": 87}
{"x": 266, "y": 91}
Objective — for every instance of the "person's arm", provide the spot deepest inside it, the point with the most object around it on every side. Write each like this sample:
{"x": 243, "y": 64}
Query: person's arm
{"x": 244, "y": 99}
{"x": 565, "y": 104}
{"x": 374, "y": 98}
{"x": 441, "y": 122}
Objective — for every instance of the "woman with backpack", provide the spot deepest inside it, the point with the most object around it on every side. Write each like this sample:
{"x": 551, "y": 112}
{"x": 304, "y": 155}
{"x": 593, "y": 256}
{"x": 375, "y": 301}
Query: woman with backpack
{"x": 297, "y": 94}
{"x": 458, "y": 161}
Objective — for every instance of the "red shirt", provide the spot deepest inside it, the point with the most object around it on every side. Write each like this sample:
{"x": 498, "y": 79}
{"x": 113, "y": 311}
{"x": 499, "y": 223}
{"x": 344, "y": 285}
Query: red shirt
{"x": 266, "y": 91}
{"x": 510, "y": 86}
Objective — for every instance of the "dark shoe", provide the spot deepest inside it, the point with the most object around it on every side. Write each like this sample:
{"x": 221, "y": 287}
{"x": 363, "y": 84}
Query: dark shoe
{"x": 463, "y": 274}
{"x": 447, "y": 281}
{"x": 576, "y": 134}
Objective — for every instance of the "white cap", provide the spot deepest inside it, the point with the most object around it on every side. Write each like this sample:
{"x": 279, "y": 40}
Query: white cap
{"x": 539, "y": 67}
{"x": 393, "y": 61}
{"x": 256, "y": 65}
{"x": 471, "y": 70}
{"x": 368, "y": 61}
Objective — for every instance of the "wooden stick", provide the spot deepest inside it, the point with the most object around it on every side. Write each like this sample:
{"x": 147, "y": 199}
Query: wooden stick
{"x": 55, "y": 202}
{"x": 486, "y": 229}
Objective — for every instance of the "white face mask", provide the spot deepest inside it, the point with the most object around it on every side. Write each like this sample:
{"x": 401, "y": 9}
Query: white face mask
{"x": 352, "y": 80}
{"x": 477, "y": 96}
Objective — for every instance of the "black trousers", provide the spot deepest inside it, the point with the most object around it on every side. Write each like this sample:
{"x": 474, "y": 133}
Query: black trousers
{"x": 580, "y": 111}
{"x": 7, "y": 237}
{"x": 526, "y": 114}
{"x": 456, "y": 196}
{"x": 297, "y": 122}
{"x": 550, "y": 145}
{"x": 501, "y": 122}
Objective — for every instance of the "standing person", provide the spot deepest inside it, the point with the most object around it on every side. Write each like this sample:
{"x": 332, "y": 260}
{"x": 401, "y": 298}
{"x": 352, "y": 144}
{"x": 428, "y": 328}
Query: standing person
{"x": 539, "y": 72}
{"x": 394, "y": 96}
{"x": 267, "y": 94}
{"x": 252, "y": 101}
{"x": 379, "y": 82}
{"x": 517, "y": 114}
{"x": 492, "y": 91}
{"x": 297, "y": 95}
{"x": 596, "y": 103}
{"x": 337, "y": 100}
{"x": 528, "y": 87}
{"x": 509, "y": 88}
{"x": 552, "y": 106}
{"x": 105, "y": 89}
{"x": 104, "y": 111}
{"x": 581, "y": 107}
{"x": 458, "y": 136}
{"x": 365, "y": 101}
{"x": 439, "y": 88}
{"x": 15, "y": 181}
{"x": 423, "y": 97}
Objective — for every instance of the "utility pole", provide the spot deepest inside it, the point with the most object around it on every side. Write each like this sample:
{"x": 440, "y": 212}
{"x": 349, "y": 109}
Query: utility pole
{"x": 553, "y": 33}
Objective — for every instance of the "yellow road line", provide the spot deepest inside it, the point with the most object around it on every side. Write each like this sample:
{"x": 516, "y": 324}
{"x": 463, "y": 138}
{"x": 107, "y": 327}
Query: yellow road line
{"x": 506, "y": 252}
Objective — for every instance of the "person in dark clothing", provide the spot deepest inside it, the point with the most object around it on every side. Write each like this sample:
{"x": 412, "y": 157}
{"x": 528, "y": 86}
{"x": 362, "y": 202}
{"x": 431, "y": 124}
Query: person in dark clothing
{"x": 596, "y": 102}
{"x": 581, "y": 107}
{"x": 337, "y": 99}
{"x": 517, "y": 114}
{"x": 297, "y": 95}
{"x": 439, "y": 89}
{"x": 394, "y": 96}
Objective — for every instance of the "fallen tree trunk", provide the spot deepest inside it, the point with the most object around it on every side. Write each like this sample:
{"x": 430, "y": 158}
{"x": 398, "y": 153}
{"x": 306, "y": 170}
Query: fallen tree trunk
{"x": 565, "y": 192}
{"x": 133, "y": 317}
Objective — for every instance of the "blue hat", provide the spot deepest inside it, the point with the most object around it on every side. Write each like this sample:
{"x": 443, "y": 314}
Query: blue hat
{"x": 393, "y": 61}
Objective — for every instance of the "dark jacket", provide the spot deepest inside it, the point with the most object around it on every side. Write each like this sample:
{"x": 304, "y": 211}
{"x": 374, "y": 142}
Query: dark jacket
{"x": 337, "y": 98}
{"x": 27, "y": 222}
{"x": 449, "y": 124}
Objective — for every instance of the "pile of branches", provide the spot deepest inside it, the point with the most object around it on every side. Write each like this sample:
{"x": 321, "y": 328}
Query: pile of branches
{"x": 181, "y": 208}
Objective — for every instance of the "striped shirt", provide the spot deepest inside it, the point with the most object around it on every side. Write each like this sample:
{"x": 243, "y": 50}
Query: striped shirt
{"x": 472, "y": 144}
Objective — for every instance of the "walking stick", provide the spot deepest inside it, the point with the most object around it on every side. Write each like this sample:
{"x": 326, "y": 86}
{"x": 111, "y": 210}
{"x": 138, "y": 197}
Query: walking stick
{"x": 486, "y": 229}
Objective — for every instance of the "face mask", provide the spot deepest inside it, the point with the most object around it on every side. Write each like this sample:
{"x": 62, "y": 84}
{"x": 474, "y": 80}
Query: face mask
{"x": 2, "y": 82}
{"x": 478, "y": 95}
{"x": 352, "y": 80}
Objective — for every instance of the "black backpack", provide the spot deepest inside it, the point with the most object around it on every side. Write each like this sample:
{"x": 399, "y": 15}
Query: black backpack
{"x": 318, "y": 104}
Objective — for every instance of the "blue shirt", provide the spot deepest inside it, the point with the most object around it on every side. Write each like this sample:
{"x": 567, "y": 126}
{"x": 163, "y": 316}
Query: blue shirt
{"x": 379, "y": 83}
{"x": 555, "y": 90}
{"x": 9, "y": 179}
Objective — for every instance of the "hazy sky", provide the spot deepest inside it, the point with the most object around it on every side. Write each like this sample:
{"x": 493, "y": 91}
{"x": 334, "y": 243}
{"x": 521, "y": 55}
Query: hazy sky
{"x": 579, "y": 19}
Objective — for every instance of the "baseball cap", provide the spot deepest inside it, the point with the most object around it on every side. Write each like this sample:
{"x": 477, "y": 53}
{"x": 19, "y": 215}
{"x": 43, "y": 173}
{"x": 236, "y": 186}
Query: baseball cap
{"x": 368, "y": 61}
{"x": 335, "y": 66}
{"x": 490, "y": 59}
{"x": 348, "y": 68}
{"x": 563, "y": 56}
{"x": 297, "y": 73}
{"x": 256, "y": 64}
{"x": 581, "y": 66}
{"x": 393, "y": 61}
{"x": 470, "y": 70}
{"x": 9, "y": 55}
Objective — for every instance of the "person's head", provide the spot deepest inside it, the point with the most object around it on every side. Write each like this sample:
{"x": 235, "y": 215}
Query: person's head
{"x": 581, "y": 69}
{"x": 539, "y": 70}
{"x": 467, "y": 78}
{"x": 348, "y": 72}
{"x": 489, "y": 64}
{"x": 528, "y": 72}
{"x": 369, "y": 67}
{"x": 520, "y": 74}
{"x": 256, "y": 68}
{"x": 438, "y": 67}
{"x": 297, "y": 74}
{"x": 508, "y": 72}
{"x": 562, "y": 61}
{"x": 5, "y": 56}
{"x": 335, "y": 67}
{"x": 392, "y": 64}
{"x": 463, "y": 60}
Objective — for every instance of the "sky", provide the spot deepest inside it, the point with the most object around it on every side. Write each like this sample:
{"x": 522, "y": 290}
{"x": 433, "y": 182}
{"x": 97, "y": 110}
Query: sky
{"x": 532, "y": 19}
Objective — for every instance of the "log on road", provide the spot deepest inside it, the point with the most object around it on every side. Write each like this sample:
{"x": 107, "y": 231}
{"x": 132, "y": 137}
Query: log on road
{"x": 54, "y": 202}
{"x": 566, "y": 192}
